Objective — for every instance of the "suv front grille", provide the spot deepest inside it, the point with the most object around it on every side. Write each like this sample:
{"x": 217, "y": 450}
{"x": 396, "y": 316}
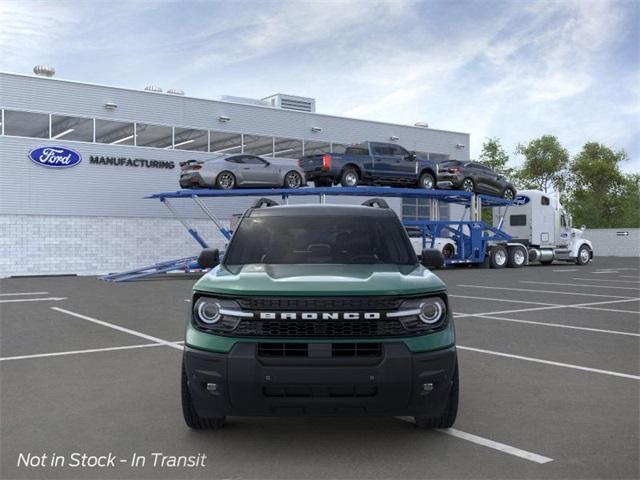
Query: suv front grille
{"x": 324, "y": 304}
{"x": 321, "y": 328}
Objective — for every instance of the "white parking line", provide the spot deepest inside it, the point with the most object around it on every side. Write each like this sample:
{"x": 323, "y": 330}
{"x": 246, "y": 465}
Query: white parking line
{"x": 628, "y": 276}
{"x": 485, "y": 442}
{"x": 23, "y": 293}
{"x": 588, "y": 306}
{"x": 549, "y": 362}
{"x": 506, "y": 300}
{"x": 604, "y": 280}
{"x": 90, "y": 350}
{"x": 47, "y": 299}
{"x": 582, "y": 285}
{"x": 557, "y": 325}
{"x": 529, "y": 290}
{"x": 119, "y": 328}
{"x": 566, "y": 270}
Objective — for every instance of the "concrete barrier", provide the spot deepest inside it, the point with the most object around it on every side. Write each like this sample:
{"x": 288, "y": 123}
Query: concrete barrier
{"x": 614, "y": 242}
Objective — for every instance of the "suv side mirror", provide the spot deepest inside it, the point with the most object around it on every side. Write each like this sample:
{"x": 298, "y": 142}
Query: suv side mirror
{"x": 209, "y": 258}
{"x": 432, "y": 258}
{"x": 412, "y": 156}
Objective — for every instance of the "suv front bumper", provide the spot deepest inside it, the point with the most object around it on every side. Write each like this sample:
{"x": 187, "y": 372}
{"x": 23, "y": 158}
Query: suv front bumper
{"x": 397, "y": 383}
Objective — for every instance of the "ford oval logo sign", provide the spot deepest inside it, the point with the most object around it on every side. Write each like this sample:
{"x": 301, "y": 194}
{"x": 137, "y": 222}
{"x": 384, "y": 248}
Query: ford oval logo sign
{"x": 521, "y": 200}
{"x": 55, "y": 157}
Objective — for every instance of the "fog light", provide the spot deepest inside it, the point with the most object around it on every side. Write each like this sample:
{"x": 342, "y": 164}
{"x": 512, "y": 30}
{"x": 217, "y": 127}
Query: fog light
{"x": 427, "y": 387}
{"x": 212, "y": 387}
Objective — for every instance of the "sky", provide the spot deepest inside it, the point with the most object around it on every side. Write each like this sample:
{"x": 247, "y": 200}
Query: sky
{"x": 509, "y": 69}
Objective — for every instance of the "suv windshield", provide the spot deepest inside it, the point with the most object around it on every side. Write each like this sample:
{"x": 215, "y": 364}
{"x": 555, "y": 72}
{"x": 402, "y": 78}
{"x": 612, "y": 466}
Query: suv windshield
{"x": 317, "y": 239}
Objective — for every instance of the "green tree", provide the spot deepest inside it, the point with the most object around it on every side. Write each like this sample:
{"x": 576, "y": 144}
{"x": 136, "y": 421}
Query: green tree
{"x": 600, "y": 195}
{"x": 545, "y": 164}
{"x": 494, "y": 156}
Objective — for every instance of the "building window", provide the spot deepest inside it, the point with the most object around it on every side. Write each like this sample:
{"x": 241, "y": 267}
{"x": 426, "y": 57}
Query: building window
{"x": 157, "y": 136}
{"x": 26, "y": 124}
{"x": 71, "y": 128}
{"x": 258, "y": 145}
{"x": 190, "y": 139}
{"x": 225, "y": 142}
{"x": 287, "y": 148}
{"x": 114, "y": 133}
{"x": 315, "y": 148}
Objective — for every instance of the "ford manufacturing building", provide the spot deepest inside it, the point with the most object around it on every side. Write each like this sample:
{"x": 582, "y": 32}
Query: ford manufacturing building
{"x": 92, "y": 218}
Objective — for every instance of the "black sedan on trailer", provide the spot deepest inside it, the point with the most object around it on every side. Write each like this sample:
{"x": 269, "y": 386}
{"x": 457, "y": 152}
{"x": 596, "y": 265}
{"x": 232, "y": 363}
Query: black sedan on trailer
{"x": 474, "y": 177}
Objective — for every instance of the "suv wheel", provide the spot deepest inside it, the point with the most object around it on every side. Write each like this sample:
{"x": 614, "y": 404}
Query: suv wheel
{"x": 191, "y": 417}
{"x": 349, "y": 178}
{"x": 509, "y": 194}
{"x": 448, "y": 418}
{"x": 427, "y": 181}
{"x": 226, "y": 180}
{"x": 468, "y": 185}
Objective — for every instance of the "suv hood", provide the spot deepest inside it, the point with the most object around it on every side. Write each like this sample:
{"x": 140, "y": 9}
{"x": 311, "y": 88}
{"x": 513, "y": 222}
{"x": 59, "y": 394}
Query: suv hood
{"x": 321, "y": 280}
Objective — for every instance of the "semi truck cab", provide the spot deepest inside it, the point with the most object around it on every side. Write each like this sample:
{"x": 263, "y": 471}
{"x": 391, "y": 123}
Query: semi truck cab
{"x": 538, "y": 221}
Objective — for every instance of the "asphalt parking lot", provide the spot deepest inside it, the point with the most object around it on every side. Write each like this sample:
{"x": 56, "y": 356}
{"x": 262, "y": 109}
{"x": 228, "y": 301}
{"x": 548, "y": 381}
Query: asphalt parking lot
{"x": 549, "y": 368}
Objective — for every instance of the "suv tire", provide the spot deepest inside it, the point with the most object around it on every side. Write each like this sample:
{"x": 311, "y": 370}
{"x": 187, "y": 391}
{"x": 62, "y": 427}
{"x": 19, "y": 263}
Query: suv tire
{"x": 191, "y": 417}
{"x": 448, "y": 417}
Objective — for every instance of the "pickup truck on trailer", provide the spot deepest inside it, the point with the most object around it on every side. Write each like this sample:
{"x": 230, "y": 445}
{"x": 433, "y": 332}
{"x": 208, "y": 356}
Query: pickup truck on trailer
{"x": 371, "y": 163}
{"x": 319, "y": 310}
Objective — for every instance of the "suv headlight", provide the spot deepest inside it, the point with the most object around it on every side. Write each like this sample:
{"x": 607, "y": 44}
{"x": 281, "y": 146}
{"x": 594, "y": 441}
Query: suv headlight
{"x": 207, "y": 310}
{"x": 216, "y": 314}
{"x": 422, "y": 313}
{"x": 432, "y": 310}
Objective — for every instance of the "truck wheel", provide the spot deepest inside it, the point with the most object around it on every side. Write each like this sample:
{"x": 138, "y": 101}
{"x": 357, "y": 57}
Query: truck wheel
{"x": 499, "y": 257}
{"x": 226, "y": 180}
{"x": 584, "y": 255}
{"x": 517, "y": 257}
{"x": 468, "y": 185}
{"x": 191, "y": 417}
{"x": 349, "y": 178}
{"x": 448, "y": 418}
{"x": 427, "y": 181}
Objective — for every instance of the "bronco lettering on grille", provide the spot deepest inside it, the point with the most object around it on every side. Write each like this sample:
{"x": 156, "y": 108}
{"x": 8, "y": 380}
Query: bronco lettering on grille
{"x": 320, "y": 316}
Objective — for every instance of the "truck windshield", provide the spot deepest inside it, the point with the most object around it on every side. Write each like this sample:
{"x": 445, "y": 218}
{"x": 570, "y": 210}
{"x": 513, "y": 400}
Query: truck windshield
{"x": 320, "y": 239}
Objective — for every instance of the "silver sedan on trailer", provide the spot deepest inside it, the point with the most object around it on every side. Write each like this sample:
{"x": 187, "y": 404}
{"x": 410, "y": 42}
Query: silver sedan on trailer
{"x": 241, "y": 170}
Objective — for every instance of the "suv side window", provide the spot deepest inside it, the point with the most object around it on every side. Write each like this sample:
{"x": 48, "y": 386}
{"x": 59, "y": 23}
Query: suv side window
{"x": 236, "y": 159}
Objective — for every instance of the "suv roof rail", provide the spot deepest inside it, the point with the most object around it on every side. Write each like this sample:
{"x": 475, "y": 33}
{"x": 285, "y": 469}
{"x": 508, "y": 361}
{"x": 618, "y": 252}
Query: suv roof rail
{"x": 375, "y": 202}
{"x": 264, "y": 202}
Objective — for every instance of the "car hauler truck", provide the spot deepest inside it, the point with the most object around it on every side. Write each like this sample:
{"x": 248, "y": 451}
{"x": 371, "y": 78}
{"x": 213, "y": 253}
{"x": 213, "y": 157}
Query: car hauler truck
{"x": 537, "y": 221}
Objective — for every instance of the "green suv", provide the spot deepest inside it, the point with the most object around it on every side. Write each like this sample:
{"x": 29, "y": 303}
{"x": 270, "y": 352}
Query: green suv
{"x": 320, "y": 310}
